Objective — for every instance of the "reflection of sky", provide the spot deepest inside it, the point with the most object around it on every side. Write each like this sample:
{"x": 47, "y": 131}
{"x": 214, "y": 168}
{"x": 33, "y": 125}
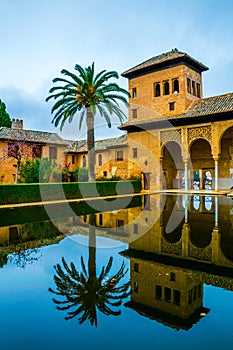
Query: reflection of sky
{"x": 29, "y": 320}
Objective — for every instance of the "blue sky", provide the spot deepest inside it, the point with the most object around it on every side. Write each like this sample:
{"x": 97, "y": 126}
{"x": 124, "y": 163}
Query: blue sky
{"x": 41, "y": 37}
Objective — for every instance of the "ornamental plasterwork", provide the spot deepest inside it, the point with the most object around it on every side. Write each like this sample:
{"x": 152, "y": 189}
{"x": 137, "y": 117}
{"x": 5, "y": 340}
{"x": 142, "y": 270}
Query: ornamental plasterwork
{"x": 200, "y": 253}
{"x": 170, "y": 135}
{"x": 200, "y": 131}
{"x": 171, "y": 248}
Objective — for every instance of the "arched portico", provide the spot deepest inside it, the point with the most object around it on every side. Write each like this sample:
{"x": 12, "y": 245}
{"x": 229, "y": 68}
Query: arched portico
{"x": 226, "y": 159}
{"x": 172, "y": 165}
{"x": 202, "y": 172}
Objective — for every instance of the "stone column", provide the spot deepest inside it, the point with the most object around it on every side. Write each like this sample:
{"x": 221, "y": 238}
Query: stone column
{"x": 185, "y": 174}
{"x": 216, "y": 159}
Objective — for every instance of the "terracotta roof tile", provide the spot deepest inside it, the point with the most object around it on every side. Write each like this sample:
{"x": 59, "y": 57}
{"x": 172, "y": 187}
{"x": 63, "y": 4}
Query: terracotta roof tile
{"x": 31, "y": 136}
{"x": 164, "y": 58}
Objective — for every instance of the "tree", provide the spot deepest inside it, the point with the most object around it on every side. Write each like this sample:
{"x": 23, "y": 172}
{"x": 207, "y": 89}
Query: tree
{"x": 5, "y": 119}
{"x": 84, "y": 292}
{"x": 87, "y": 94}
{"x": 39, "y": 170}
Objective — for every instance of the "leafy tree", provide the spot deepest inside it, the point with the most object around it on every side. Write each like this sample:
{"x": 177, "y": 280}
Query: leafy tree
{"x": 5, "y": 119}
{"x": 87, "y": 93}
{"x": 39, "y": 170}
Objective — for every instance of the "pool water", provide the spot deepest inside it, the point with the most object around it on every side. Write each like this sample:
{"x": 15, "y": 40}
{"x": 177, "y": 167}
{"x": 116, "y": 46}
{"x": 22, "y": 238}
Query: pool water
{"x": 177, "y": 256}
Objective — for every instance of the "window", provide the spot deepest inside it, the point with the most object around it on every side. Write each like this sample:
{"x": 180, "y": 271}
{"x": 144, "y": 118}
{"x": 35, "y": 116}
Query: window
{"x": 135, "y": 287}
{"x": 157, "y": 92}
{"x": 190, "y": 296}
{"x": 105, "y": 173}
{"x": 135, "y": 267}
{"x": 134, "y": 93}
{"x": 72, "y": 159}
{"x": 172, "y": 276}
{"x": 198, "y": 90}
{"x": 134, "y": 113}
{"x": 135, "y": 152}
{"x": 53, "y": 152}
{"x": 119, "y": 156}
{"x": 120, "y": 223}
{"x": 171, "y": 106}
{"x": 193, "y": 88}
{"x": 175, "y": 88}
{"x": 167, "y": 294}
{"x": 84, "y": 161}
{"x": 166, "y": 88}
{"x": 176, "y": 297}
{"x": 135, "y": 228}
{"x": 189, "y": 85}
{"x": 100, "y": 159}
{"x": 36, "y": 151}
{"x": 158, "y": 292}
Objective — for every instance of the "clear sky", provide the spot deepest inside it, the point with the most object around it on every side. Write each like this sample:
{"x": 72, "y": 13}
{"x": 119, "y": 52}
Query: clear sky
{"x": 41, "y": 37}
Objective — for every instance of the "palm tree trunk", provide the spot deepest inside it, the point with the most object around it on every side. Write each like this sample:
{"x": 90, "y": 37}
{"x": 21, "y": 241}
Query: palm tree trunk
{"x": 92, "y": 250}
{"x": 90, "y": 145}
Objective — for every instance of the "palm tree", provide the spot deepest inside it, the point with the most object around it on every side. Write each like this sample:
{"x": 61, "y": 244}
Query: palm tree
{"x": 84, "y": 292}
{"x": 87, "y": 94}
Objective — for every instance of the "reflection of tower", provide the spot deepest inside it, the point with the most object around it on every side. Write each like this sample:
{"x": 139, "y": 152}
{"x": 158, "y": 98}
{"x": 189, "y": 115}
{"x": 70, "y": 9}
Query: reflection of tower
{"x": 165, "y": 293}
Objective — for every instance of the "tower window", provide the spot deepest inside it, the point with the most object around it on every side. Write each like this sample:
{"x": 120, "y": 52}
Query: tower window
{"x": 136, "y": 267}
{"x": 193, "y": 88}
{"x": 175, "y": 86}
{"x": 134, "y": 93}
{"x": 158, "y": 292}
{"x": 157, "y": 92}
{"x": 134, "y": 113}
{"x": 171, "y": 106}
{"x": 176, "y": 297}
{"x": 135, "y": 287}
{"x": 198, "y": 90}
{"x": 135, "y": 228}
{"x": 166, "y": 88}
{"x": 189, "y": 85}
{"x": 167, "y": 294}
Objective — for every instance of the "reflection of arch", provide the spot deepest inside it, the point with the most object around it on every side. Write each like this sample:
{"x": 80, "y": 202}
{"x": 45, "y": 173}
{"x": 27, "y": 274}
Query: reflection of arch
{"x": 172, "y": 165}
{"x": 225, "y": 159}
{"x": 201, "y": 228}
{"x": 202, "y": 163}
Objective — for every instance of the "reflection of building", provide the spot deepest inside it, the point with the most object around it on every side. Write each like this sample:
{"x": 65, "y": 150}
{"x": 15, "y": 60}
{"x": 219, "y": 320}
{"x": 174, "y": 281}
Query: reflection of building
{"x": 189, "y": 246}
{"x": 165, "y": 293}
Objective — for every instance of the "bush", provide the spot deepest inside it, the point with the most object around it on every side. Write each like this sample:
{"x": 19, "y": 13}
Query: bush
{"x": 81, "y": 174}
{"x": 26, "y": 193}
{"x": 39, "y": 170}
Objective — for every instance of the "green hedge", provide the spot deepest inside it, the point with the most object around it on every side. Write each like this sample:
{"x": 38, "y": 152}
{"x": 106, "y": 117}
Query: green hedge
{"x": 27, "y": 193}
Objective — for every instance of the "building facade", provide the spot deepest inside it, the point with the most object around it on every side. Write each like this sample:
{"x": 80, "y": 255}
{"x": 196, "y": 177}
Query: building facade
{"x": 183, "y": 140}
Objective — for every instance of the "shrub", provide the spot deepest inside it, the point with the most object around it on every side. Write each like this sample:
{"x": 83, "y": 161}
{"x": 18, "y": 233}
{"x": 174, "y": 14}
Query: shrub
{"x": 81, "y": 174}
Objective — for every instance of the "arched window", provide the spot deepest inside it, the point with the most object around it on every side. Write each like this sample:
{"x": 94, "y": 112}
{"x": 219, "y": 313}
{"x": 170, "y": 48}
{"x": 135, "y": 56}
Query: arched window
{"x": 84, "y": 161}
{"x": 157, "y": 90}
{"x": 175, "y": 86}
{"x": 100, "y": 159}
{"x": 166, "y": 88}
{"x": 193, "y": 88}
{"x": 189, "y": 85}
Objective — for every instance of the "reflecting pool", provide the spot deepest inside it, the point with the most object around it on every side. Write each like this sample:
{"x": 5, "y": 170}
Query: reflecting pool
{"x": 156, "y": 274}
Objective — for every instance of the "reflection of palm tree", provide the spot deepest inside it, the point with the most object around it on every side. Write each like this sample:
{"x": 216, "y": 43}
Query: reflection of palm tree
{"x": 87, "y": 292}
{"x": 84, "y": 292}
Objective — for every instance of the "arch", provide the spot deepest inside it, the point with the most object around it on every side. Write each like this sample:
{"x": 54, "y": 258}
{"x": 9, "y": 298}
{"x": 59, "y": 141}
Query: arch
{"x": 202, "y": 164}
{"x": 225, "y": 159}
{"x": 172, "y": 165}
